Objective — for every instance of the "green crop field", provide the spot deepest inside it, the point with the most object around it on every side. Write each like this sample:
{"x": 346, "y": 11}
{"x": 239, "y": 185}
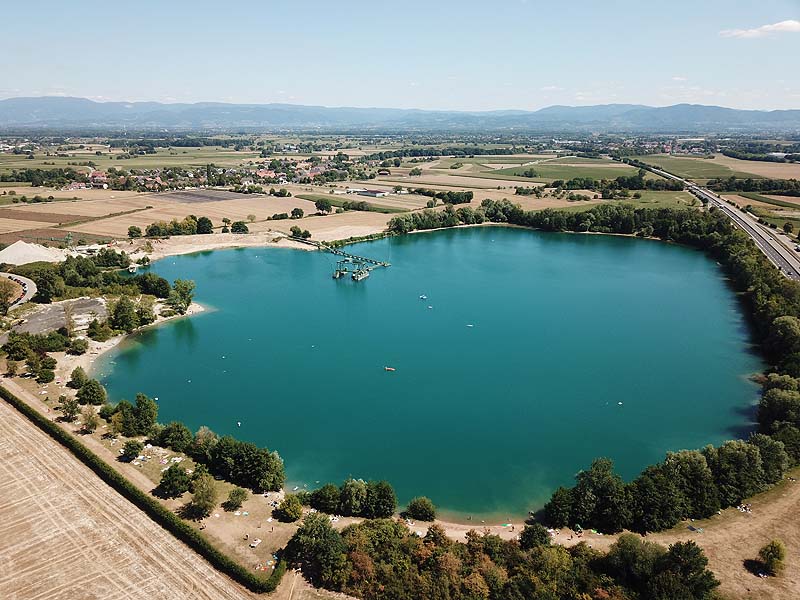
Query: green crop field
{"x": 550, "y": 171}
{"x": 649, "y": 199}
{"x": 693, "y": 168}
{"x": 575, "y": 160}
{"x": 164, "y": 157}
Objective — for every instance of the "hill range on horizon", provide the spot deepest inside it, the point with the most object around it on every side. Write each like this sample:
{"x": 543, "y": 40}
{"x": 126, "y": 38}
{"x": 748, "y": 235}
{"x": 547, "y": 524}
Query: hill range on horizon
{"x": 51, "y": 112}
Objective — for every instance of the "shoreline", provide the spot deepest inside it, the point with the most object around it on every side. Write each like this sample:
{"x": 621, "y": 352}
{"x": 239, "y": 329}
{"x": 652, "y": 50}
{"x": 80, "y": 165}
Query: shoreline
{"x": 456, "y": 521}
{"x": 69, "y": 362}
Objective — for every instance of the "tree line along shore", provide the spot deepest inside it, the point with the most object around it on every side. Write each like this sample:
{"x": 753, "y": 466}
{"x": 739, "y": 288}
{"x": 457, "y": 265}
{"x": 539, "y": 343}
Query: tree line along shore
{"x": 367, "y": 559}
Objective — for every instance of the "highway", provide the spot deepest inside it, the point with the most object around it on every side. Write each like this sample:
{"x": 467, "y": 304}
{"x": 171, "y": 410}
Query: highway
{"x": 787, "y": 260}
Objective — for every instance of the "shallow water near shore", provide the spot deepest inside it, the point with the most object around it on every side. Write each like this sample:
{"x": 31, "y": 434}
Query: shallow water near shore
{"x": 533, "y": 354}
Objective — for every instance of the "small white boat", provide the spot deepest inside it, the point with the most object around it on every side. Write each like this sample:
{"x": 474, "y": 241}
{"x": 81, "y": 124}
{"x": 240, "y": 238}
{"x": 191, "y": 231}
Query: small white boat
{"x": 238, "y": 423}
{"x": 423, "y": 297}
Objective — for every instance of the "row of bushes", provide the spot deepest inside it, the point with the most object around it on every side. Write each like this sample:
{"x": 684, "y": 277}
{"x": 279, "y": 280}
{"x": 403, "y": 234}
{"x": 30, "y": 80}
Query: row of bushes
{"x": 154, "y": 509}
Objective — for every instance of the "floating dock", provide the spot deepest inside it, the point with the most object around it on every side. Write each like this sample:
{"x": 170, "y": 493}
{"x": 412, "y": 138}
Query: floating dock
{"x": 358, "y": 267}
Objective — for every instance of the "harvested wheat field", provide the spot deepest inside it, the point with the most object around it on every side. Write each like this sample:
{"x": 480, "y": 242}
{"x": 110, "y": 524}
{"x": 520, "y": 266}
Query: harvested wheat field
{"x": 66, "y": 534}
{"x": 773, "y": 170}
{"x": 332, "y": 227}
{"x": 167, "y": 208}
{"x": 10, "y": 225}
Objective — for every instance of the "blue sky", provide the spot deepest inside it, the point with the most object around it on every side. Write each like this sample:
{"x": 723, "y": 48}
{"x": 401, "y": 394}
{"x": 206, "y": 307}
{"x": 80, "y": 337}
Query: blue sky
{"x": 442, "y": 54}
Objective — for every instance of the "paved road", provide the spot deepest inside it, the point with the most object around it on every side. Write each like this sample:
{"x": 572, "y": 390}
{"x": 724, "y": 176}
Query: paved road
{"x": 28, "y": 288}
{"x": 787, "y": 261}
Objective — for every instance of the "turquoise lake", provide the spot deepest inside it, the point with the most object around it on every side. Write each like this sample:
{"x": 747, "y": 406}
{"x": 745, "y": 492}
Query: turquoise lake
{"x": 504, "y": 388}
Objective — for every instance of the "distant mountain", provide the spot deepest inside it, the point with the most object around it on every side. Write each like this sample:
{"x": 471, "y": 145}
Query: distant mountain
{"x": 80, "y": 113}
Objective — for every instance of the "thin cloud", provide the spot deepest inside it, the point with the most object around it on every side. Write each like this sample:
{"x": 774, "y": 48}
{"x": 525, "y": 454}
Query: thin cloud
{"x": 678, "y": 78}
{"x": 552, "y": 88}
{"x": 790, "y": 26}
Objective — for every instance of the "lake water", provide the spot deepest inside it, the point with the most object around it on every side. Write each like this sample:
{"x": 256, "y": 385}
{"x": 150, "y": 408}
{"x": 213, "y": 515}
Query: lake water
{"x": 532, "y": 354}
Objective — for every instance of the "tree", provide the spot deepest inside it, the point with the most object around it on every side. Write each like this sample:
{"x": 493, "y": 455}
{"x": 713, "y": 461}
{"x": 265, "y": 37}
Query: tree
{"x": 774, "y": 459}
{"x": 772, "y": 556}
{"x": 239, "y": 227}
{"x": 290, "y": 509}
{"x": 180, "y": 298}
{"x": 558, "y": 510}
{"x": 204, "y": 497}
{"x": 656, "y": 500}
{"x": 326, "y": 499}
{"x": 352, "y": 497}
{"x": 92, "y": 392}
{"x": 320, "y": 549}
{"x": 695, "y": 481}
{"x": 174, "y": 482}
{"x": 45, "y": 376}
{"x": 116, "y": 422}
{"x": 788, "y": 227}
{"x": 11, "y": 368}
{"x": 78, "y": 378}
{"x": 738, "y": 470}
{"x": 98, "y": 331}
{"x": 69, "y": 408}
{"x": 78, "y": 346}
{"x": 415, "y": 172}
{"x": 421, "y": 509}
{"x": 251, "y": 218}
{"x": 89, "y": 419}
{"x": 381, "y": 501}
{"x": 599, "y": 498}
{"x": 124, "y": 316}
{"x": 204, "y": 225}
{"x": 8, "y": 292}
{"x": 297, "y": 213}
{"x": 138, "y": 419}
{"x": 134, "y": 232}
{"x": 150, "y": 283}
{"x": 778, "y": 405}
{"x": 684, "y": 567}
{"x": 323, "y": 205}
{"x": 534, "y": 535}
{"x": 49, "y": 285}
{"x": 235, "y": 499}
{"x": 131, "y": 450}
{"x": 632, "y": 561}
{"x": 175, "y": 436}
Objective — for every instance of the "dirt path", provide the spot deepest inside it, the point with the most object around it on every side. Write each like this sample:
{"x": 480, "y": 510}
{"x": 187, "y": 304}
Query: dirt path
{"x": 66, "y": 534}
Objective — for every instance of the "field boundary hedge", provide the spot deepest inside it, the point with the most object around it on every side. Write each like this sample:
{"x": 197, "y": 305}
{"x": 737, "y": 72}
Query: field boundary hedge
{"x": 151, "y": 507}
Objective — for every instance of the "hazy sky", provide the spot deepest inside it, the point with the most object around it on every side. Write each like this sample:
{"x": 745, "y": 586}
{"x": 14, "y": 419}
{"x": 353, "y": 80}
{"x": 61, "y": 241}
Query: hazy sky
{"x": 441, "y": 54}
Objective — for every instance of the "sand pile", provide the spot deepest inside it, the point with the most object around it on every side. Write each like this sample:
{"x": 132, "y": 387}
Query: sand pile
{"x": 22, "y": 253}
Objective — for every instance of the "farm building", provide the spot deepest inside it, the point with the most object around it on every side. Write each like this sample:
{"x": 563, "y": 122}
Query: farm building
{"x": 374, "y": 193}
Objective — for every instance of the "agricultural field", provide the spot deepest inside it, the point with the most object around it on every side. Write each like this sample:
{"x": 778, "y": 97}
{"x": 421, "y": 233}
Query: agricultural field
{"x": 649, "y": 199}
{"x": 207, "y": 203}
{"x": 550, "y": 171}
{"x": 72, "y": 536}
{"x": 388, "y": 204}
{"x": 759, "y": 168}
{"x": 164, "y": 157}
{"x": 700, "y": 169}
{"x": 775, "y": 210}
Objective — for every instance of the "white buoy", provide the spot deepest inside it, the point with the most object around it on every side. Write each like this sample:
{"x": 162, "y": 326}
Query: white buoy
{"x": 620, "y": 403}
